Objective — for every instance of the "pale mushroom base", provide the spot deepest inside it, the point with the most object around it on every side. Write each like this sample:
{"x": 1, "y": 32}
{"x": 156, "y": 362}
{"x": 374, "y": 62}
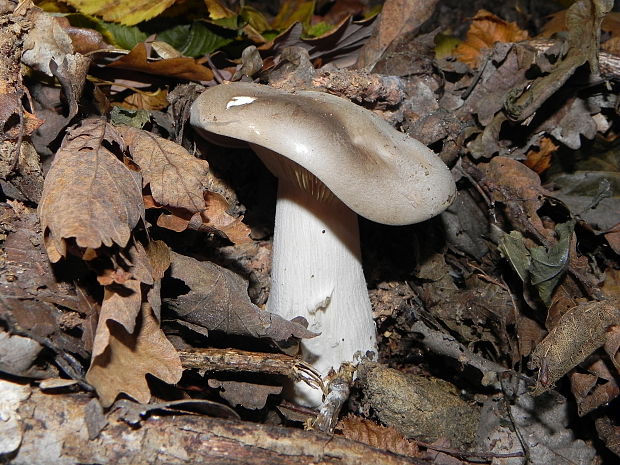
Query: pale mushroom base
{"x": 317, "y": 274}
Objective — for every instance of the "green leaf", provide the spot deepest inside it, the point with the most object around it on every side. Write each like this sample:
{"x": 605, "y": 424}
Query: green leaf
{"x": 541, "y": 267}
{"x": 126, "y": 37}
{"x": 116, "y": 34}
{"x": 318, "y": 29}
{"x": 254, "y": 18}
{"x": 133, "y": 118}
{"x": 512, "y": 248}
{"x": 548, "y": 265}
{"x": 196, "y": 39}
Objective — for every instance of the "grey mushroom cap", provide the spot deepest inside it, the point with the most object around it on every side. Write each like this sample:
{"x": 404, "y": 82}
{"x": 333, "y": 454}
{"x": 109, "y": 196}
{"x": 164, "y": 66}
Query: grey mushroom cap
{"x": 377, "y": 171}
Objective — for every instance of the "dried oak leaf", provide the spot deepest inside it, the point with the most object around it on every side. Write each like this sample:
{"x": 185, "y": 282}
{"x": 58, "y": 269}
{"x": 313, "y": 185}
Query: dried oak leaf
{"x": 218, "y": 301}
{"x": 121, "y": 304}
{"x": 180, "y": 68}
{"x": 485, "y": 30}
{"x": 539, "y": 159}
{"x": 579, "y": 332}
{"x": 88, "y": 193}
{"x": 176, "y": 178}
{"x": 519, "y": 189}
{"x": 381, "y": 437}
{"x": 129, "y": 357}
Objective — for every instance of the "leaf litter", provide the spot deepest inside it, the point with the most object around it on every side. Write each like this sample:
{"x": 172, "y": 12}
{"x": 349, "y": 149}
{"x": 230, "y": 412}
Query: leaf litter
{"x": 156, "y": 243}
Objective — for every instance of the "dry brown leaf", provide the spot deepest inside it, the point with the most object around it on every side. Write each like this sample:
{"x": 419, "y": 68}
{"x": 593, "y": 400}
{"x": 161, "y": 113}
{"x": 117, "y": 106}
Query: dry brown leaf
{"x": 218, "y": 300}
{"x": 249, "y": 395}
{"x": 579, "y": 332}
{"x": 213, "y": 219}
{"x": 176, "y": 178}
{"x": 88, "y": 193}
{"x": 557, "y": 23}
{"x": 591, "y": 390}
{"x": 512, "y": 184}
{"x": 540, "y": 160}
{"x": 157, "y": 100}
{"x": 382, "y": 437}
{"x": 120, "y": 304}
{"x": 485, "y": 30}
{"x": 129, "y": 357}
{"x": 180, "y": 68}
{"x": 398, "y": 17}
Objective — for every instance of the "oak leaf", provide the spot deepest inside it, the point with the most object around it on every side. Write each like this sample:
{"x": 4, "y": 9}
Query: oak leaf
{"x": 176, "y": 178}
{"x": 130, "y": 356}
{"x": 485, "y": 30}
{"x": 89, "y": 194}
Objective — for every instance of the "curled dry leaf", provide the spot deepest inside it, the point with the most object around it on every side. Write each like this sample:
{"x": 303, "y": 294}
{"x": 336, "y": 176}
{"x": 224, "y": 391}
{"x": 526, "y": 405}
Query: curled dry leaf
{"x": 218, "y": 301}
{"x": 88, "y": 193}
{"x": 129, "y": 357}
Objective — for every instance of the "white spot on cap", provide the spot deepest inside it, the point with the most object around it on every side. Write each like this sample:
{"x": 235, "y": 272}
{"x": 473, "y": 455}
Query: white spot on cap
{"x": 240, "y": 100}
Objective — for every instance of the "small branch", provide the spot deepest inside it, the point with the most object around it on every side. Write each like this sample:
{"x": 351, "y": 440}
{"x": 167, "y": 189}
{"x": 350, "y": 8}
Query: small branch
{"x": 254, "y": 362}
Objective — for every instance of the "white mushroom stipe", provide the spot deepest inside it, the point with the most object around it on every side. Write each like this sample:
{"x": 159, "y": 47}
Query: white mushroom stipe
{"x": 334, "y": 160}
{"x": 317, "y": 273}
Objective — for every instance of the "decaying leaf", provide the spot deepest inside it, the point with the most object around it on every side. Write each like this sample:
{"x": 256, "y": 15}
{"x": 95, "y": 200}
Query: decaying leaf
{"x": 592, "y": 196}
{"x": 341, "y": 46}
{"x": 579, "y": 332}
{"x": 89, "y": 194}
{"x": 416, "y": 406}
{"x": 512, "y": 184}
{"x": 129, "y": 357}
{"x": 218, "y": 301}
{"x": 583, "y": 20}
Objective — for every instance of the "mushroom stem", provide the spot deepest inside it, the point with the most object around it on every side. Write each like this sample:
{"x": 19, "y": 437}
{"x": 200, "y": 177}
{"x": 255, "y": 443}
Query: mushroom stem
{"x": 317, "y": 273}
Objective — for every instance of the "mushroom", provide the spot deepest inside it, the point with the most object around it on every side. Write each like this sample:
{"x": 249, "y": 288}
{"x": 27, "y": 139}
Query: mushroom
{"x": 334, "y": 160}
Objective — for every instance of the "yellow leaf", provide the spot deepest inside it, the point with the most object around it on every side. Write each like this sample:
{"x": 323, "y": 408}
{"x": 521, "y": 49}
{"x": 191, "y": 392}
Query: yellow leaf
{"x": 217, "y": 10}
{"x": 293, "y": 11}
{"x": 127, "y": 12}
